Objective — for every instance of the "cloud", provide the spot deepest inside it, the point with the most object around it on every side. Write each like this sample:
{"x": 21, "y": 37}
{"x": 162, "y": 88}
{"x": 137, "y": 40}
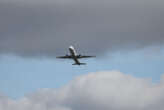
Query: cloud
{"x": 39, "y": 28}
{"x": 110, "y": 90}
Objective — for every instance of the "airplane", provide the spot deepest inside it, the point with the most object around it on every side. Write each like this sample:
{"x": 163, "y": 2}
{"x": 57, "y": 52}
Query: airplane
{"x": 73, "y": 55}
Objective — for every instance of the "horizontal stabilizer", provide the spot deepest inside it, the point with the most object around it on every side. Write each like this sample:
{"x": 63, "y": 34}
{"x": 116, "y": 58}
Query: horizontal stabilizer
{"x": 79, "y": 64}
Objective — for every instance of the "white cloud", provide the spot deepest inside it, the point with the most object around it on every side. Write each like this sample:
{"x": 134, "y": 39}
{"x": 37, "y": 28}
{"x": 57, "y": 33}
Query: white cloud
{"x": 96, "y": 91}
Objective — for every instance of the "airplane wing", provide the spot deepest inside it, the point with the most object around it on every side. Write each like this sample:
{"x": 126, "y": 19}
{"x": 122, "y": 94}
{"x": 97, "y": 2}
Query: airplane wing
{"x": 84, "y": 56}
{"x": 65, "y": 57}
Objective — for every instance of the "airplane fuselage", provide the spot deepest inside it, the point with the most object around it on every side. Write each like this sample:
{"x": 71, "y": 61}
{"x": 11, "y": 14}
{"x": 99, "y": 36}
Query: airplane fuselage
{"x": 74, "y": 55}
{"x": 72, "y": 51}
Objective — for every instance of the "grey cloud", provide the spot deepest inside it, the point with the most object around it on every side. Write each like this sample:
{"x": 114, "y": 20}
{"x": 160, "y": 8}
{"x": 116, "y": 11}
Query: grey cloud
{"x": 39, "y": 28}
{"x": 111, "y": 90}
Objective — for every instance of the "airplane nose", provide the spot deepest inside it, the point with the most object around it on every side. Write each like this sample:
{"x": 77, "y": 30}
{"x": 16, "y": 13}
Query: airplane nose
{"x": 71, "y": 47}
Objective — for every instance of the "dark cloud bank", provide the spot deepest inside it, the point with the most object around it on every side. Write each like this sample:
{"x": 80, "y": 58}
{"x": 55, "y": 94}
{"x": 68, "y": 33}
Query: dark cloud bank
{"x": 110, "y": 90}
{"x": 36, "y": 28}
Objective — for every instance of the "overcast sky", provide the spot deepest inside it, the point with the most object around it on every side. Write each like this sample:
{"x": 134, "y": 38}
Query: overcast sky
{"x": 47, "y": 28}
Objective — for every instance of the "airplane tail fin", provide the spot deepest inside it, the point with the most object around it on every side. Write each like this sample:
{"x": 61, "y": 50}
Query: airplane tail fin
{"x": 79, "y": 64}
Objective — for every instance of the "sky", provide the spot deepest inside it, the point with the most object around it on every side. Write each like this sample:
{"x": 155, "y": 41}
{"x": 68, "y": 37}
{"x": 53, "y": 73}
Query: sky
{"x": 125, "y": 35}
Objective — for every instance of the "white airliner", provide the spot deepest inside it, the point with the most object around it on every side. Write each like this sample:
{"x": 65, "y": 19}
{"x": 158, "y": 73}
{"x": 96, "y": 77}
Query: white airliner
{"x": 73, "y": 55}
